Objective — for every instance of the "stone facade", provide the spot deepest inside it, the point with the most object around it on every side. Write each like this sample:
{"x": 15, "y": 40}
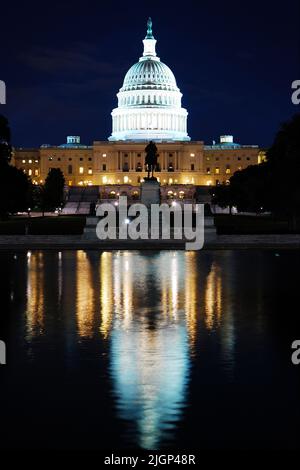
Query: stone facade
{"x": 122, "y": 163}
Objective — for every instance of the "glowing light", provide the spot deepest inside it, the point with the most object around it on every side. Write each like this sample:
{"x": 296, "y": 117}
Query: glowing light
{"x": 35, "y": 295}
{"x": 149, "y": 390}
{"x": 159, "y": 115}
{"x": 85, "y": 298}
{"x": 226, "y": 139}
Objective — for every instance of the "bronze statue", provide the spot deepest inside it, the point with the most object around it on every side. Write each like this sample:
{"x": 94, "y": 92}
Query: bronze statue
{"x": 149, "y": 29}
{"x": 151, "y": 158}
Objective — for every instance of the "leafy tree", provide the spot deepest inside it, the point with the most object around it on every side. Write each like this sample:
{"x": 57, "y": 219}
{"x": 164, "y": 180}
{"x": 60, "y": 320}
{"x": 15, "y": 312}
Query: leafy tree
{"x": 53, "y": 192}
{"x": 13, "y": 190}
{"x": 222, "y": 195}
{"x": 14, "y": 184}
{"x": 249, "y": 188}
{"x": 5, "y": 146}
{"x": 283, "y": 161}
{"x": 273, "y": 185}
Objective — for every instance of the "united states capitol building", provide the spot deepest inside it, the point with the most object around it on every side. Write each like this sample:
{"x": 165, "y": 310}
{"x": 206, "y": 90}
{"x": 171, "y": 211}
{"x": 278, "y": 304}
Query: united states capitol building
{"x": 149, "y": 107}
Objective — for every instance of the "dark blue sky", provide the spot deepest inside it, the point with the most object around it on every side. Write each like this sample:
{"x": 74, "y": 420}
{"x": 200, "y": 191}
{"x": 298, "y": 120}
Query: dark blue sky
{"x": 64, "y": 61}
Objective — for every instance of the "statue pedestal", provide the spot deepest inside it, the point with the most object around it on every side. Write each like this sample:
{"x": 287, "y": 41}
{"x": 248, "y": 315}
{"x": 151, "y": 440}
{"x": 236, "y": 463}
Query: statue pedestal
{"x": 150, "y": 192}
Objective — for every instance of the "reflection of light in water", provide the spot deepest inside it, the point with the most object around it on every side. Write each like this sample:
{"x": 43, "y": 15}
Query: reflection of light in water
{"x": 190, "y": 306}
{"x": 35, "y": 294}
{"x": 60, "y": 277}
{"x": 218, "y": 315}
{"x": 227, "y": 332}
{"x": 174, "y": 290}
{"x": 213, "y": 297}
{"x": 146, "y": 308}
{"x": 150, "y": 370}
{"x": 150, "y": 364}
{"x": 170, "y": 271}
{"x": 85, "y": 308}
{"x": 106, "y": 293}
{"x": 123, "y": 295}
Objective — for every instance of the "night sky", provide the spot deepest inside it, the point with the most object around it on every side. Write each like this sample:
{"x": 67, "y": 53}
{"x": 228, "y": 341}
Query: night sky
{"x": 63, "y": 63}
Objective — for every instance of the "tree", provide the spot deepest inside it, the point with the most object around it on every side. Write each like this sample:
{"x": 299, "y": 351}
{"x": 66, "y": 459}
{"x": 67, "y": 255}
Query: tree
{"x": 14, "y": 184}
{"x": 272, "y": 185}
{"x": 222, "y": 196}
{"x": 14, "y": 192}
{"x": 249, "y": 188}
{"x": 5, "y": 146}
{"x": 283, "y": 161}
{"x": 53, "y": 193}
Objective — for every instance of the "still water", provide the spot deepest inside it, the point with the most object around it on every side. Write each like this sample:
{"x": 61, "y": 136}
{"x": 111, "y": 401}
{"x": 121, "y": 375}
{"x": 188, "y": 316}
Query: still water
{"x": 151, "y": 350}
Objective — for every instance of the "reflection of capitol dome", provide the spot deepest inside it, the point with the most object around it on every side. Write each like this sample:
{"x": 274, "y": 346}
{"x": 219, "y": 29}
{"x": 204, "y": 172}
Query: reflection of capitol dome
{"x": 149, "y": 102}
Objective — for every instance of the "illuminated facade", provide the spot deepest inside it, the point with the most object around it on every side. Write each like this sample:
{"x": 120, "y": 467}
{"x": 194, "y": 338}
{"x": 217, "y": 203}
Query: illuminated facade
{"x": 122, "y": 163}
{"x": 149, "y": 108}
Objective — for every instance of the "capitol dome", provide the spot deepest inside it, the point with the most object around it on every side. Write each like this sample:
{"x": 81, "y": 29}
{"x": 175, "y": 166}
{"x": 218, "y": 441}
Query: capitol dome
{"x": 149, "y": 74}
{"x": 149, "y": 102}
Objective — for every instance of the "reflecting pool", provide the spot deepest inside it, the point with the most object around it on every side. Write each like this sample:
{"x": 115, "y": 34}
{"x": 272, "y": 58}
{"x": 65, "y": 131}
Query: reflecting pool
{"x": 129, "y": 349}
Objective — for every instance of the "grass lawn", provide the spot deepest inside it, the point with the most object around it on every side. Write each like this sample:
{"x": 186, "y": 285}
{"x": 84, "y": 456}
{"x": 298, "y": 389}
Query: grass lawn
{"x": 245, "y": 224}
{"x": 61, "y": 225}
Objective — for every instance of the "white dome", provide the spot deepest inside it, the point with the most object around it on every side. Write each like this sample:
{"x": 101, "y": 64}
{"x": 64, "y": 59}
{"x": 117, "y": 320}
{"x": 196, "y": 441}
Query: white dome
{"x": 149, "y": 74}
{"x": 149, "y": 102}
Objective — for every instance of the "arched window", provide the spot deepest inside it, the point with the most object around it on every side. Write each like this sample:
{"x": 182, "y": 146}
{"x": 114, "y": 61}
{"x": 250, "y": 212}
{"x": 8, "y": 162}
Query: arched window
{"x": 70, "y": 169}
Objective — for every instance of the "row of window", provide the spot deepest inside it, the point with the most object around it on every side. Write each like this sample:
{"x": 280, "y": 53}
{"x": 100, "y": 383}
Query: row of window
{"x": 217, "y": 182}
{"x": 30, "y": 161}
{"x": 228, "y": 158}
{"x": 59, "y": 159}
{"x": 80, "y": 170}
{"x": 139, "y": 167}
{"x": 217, "y": 170}
{"x": 31, "y": 171}
{"x": 124, "y": 168}
{"x": 103, "y": 155}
